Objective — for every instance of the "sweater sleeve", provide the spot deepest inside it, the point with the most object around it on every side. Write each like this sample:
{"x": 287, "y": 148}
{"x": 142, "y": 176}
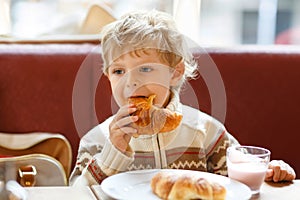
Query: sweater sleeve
{"x": 216, "y": 162}
{"x": 97, "y": 159}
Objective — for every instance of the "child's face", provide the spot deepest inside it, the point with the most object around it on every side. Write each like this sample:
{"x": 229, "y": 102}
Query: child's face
{"x": 141, "y": 75}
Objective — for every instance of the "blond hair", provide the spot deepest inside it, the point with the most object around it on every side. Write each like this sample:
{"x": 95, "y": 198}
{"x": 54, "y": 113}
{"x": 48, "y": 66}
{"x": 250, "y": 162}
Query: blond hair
{"x": 142, "y": 30}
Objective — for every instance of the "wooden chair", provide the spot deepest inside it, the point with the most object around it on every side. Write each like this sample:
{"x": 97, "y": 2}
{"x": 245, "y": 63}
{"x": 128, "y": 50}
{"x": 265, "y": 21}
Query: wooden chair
{"x": 97, "y": 17}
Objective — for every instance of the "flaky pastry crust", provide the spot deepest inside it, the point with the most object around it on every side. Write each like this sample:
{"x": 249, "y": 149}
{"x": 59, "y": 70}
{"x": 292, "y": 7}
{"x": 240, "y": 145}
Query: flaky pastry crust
{"x": 153, "y": 119}
{"x": 186, "y": 186}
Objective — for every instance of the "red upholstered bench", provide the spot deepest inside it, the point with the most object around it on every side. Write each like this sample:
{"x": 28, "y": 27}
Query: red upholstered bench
{"x": 59, "y": 88}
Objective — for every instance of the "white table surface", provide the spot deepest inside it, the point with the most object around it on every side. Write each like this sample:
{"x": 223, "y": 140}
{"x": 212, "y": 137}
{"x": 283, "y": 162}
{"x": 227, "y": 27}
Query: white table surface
{"x": 60, "y": 193}
{"x": 269, "y": 191}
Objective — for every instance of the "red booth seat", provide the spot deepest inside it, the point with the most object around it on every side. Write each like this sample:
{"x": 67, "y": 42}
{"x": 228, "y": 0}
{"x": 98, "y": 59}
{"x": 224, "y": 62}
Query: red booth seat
{"x": 60, "y": 88}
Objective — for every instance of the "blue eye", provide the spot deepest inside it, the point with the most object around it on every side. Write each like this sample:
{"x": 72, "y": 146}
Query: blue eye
{"x": 118, "y": 71}
{"x": 146, "y": 69}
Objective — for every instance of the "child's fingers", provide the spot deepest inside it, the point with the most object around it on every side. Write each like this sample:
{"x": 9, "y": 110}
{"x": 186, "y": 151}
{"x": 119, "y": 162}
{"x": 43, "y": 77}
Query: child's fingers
{"x": 120, "y": 137}
{"x": 129, "y": 130}
{"x": 124, "y": 112}
{"x": 269, "y": 175}
{"x": 123, "y": 122}
{"x": 291, "y": 174}
{"x": 283, "y": 175}
{"x": 281, "y": 171}
{"x": 276, "y": 176}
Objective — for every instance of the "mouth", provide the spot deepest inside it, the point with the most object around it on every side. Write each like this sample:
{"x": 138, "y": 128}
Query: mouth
{"x": 138, "y": 96}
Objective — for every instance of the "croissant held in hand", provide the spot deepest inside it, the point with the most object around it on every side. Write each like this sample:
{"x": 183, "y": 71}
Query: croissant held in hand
{"x": 186, "y": 186}
{"x": 153, "y": 119}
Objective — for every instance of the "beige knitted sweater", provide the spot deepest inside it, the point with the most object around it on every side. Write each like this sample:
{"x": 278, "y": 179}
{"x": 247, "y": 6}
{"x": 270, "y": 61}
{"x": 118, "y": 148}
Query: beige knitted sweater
{"x": 199, "y": 143}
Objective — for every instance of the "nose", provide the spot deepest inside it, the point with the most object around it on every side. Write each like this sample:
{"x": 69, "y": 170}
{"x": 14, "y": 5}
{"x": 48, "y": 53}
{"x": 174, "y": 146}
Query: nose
{"x": 132, "y": 80}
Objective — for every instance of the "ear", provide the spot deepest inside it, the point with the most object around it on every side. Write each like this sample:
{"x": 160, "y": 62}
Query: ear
{"x": 177, "y": 73}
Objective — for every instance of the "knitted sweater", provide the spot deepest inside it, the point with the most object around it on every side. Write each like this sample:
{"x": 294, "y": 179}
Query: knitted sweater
{"x": 199, "y": 143}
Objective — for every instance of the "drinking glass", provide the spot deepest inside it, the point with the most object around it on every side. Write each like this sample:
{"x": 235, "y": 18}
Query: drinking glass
{"x": 248, "y": 164}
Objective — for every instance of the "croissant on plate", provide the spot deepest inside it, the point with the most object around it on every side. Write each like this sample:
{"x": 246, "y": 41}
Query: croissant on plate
{"x": 186, "y": 186}
{"x": 153, "y": 119}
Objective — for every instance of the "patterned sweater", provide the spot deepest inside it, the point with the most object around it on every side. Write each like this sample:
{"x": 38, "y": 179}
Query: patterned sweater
{"x": 199, "y": 143}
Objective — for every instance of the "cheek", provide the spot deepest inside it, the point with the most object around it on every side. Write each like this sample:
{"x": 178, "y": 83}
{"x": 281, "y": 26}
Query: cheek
{"x": 162, "y": 79}
{"x": 116, "y": 83}
{"x": 162, "y": 94}
{"x": 117, "y": 89}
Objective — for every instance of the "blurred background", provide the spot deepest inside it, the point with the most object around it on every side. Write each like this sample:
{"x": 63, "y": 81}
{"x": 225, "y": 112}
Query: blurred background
{"x": 208, "y": 22}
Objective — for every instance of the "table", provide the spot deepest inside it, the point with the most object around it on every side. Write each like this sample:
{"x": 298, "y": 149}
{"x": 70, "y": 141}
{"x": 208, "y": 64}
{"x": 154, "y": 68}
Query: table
{"x": 60, "y": 193}
{"x": 284, "y": 190}
{"x": 269, "y": 191}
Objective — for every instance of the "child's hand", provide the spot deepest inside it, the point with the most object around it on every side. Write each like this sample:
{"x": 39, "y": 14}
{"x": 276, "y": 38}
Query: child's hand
{"x": 280, "y": 171}
{"x": 120, "y": 132}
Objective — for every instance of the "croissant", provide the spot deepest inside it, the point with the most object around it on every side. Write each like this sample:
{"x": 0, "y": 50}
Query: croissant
{"x": 186, "y": 186}
{"x": 153, "y": 119}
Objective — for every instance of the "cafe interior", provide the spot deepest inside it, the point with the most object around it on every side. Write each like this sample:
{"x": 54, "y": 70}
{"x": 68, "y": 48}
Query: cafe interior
{"x": 53, "y": 90}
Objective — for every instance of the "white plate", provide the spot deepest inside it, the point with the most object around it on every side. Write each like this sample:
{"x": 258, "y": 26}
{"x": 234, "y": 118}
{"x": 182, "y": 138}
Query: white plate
{"x": 135, "y": 185}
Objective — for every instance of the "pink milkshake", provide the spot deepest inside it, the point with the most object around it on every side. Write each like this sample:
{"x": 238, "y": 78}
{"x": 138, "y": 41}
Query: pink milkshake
{"x": 248, "y": 165}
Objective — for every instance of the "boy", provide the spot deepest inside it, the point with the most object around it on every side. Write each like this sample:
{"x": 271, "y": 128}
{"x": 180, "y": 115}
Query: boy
{"x": 144, "y": 54}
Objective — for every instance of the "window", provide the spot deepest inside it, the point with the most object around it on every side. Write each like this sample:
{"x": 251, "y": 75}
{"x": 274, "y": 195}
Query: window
{"x": 208, "y": 22}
